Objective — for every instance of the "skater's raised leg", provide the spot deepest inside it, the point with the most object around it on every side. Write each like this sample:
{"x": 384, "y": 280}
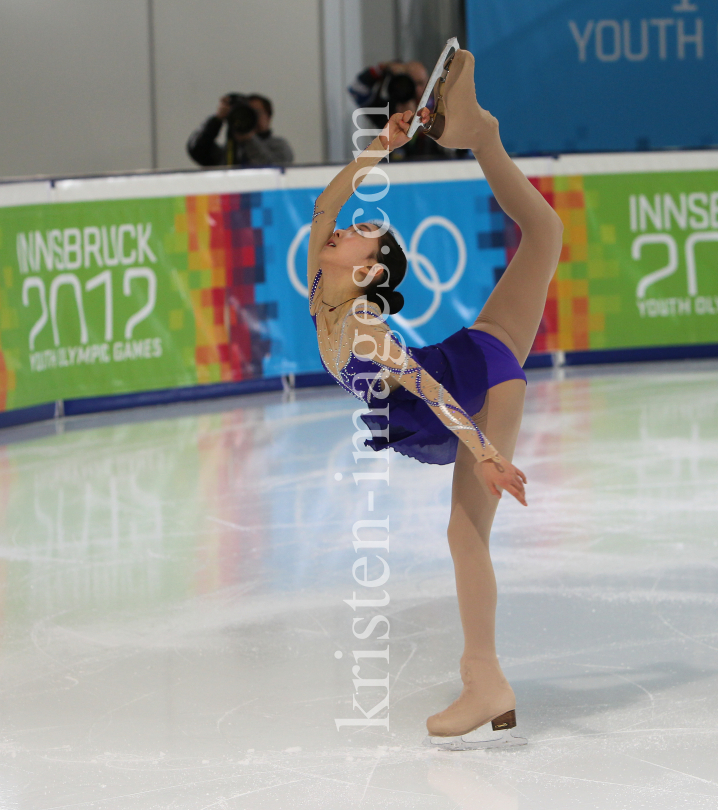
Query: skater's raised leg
{"x": 513, "y": 311}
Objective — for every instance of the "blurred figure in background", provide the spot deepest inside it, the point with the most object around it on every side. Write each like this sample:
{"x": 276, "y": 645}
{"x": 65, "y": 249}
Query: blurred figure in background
{"x": 250, "y": 141}
{"x": 400, "y": 84}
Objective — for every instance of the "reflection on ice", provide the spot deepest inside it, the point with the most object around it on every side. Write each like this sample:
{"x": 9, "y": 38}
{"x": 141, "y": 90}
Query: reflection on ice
{"x": 172, "y": 603}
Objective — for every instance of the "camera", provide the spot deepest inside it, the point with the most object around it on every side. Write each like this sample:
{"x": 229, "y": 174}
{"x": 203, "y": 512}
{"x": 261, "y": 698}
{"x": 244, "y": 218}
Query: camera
{"x": 396, "y": 88}
{"x": 242, "y": 117}
{"x": 392, "y": 89}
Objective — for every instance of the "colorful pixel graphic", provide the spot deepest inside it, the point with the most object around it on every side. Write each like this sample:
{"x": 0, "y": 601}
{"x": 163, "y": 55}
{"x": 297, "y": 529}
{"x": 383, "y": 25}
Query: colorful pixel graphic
{"x": 221, "y": 237}
{"x": 574, "y": 317}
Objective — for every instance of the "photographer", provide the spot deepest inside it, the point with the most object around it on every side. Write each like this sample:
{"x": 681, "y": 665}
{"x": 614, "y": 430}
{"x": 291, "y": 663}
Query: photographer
{"x": 250, "y": 141}
{"x": 400, "y": 85}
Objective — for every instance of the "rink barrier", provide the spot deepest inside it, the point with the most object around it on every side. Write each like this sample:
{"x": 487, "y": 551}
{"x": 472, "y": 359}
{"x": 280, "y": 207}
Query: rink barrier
{"x": 172, "y": 396}
{"x": 250, "y": 257}
{"x": 167, "y": 396}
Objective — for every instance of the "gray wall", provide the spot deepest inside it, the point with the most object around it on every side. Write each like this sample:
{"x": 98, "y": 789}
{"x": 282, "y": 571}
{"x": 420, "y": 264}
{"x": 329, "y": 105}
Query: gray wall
{"x": 410, "y": 29}
{"x": 76, "y": 91}
{"x": 378, "y": 31}
{"x": 205, "y": 48}
{"x": 423, "y": 26}
{"x": 75, "y": 95}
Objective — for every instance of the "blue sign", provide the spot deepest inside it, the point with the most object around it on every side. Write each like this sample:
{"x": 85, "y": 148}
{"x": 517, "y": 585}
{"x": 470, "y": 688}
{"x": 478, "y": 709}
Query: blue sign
{"x": 584, "y": 75}
{"x": 452, "y": 233}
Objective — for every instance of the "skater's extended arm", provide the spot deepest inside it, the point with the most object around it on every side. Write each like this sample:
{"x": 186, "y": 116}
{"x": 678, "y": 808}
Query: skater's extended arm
{"x": 331, "y": 200}
{"x": 373, "y": 340}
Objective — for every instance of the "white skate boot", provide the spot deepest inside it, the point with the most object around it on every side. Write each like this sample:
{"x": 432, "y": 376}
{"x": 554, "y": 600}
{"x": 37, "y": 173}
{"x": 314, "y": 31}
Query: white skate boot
{"x": 469, "y": 742}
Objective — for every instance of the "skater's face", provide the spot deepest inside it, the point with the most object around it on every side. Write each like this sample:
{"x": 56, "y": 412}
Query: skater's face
{"x": 352, "y": 248}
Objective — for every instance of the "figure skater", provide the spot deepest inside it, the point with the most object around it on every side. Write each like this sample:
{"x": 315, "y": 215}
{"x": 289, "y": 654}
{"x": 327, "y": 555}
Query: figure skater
{"x": 444, "y": 401}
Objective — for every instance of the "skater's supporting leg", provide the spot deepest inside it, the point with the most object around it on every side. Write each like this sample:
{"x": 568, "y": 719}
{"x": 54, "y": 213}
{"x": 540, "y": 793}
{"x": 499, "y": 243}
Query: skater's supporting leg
{"x": 486, "y": 691}
{"x": 513, "y": 311}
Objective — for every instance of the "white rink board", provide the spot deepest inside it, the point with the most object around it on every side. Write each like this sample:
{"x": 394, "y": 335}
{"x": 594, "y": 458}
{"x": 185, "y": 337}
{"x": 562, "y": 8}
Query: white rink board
{"x": 228, "y": 181}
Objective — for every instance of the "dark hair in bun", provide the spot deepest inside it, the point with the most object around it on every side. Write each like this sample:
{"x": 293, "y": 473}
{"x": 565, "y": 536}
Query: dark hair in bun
{"x": 391, "y": 255}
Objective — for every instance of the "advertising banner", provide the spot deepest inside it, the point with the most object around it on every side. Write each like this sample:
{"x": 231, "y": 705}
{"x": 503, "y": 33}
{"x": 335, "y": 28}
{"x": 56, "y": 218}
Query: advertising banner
{"x": 116, "y": 297}
{"x": 110, "y": 297}
{"x": 639, "y": 263}
{"x": 591, "y": 75}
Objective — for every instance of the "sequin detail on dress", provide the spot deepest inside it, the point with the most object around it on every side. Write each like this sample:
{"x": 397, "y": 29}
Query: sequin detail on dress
{"x": 450, "y": 411}
{"x": 315, "y": 284}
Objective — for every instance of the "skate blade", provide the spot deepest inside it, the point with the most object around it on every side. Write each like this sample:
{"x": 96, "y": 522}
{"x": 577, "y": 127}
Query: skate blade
{"x": 505, "y": 740}
{"x": 451, "y": 45}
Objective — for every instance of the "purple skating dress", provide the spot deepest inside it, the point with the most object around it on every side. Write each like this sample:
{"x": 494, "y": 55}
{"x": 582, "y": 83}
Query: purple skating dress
{"x": 440, "y": 387}
{"x": 465, "y": 364}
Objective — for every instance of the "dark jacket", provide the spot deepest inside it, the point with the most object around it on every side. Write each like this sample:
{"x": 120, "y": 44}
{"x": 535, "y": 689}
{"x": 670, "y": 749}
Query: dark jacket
{"x": 260, "y": 150}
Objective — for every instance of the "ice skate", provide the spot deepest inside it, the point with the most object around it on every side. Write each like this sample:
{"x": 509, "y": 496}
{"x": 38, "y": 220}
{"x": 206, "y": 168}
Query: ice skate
{"x": 486, "y": 697}
{"x": 478, "y": 738}
{"x": 436, "y": 80}
{"x": 457, "y": 120}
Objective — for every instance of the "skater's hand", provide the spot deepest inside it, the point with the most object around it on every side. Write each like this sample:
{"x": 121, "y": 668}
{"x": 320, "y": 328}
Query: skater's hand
{"x": 404, "y": 122}
{"x": 425, "y": 115}
{"x": 394, "y": 133}
{"x": 501, "y": 474}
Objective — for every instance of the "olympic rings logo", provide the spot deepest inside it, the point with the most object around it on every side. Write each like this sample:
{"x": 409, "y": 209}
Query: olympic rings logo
{"x": 421, "y": 265}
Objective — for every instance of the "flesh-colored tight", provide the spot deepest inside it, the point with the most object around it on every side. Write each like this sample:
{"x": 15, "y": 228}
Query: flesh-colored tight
{"x": 512, "y": 314}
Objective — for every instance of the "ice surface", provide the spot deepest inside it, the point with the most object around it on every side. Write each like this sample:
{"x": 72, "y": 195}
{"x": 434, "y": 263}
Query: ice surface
{"x": 173, "y": 585}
